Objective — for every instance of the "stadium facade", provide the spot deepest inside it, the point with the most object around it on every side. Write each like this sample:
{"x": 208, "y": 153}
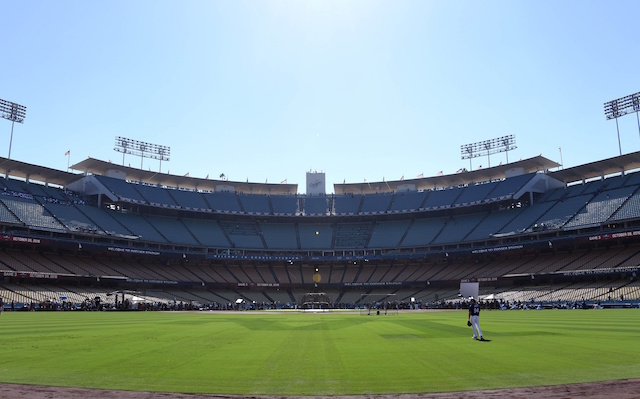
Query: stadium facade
{"x": 525, "y": 230}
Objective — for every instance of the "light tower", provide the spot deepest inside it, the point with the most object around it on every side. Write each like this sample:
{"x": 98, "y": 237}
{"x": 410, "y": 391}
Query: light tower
{"x": 488, "y": 147}
{"x": 142, "y": 149}
{"x": 13, "y": 112}
{"x": 620, "y": 107}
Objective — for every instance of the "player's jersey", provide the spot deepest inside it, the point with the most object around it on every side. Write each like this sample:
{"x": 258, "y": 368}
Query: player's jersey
{"x": 474, "y": 309}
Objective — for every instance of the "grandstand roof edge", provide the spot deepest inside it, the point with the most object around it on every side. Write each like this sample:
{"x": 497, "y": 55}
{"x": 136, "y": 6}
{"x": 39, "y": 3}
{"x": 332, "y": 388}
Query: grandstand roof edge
{"x": 530, "y": 165}
{"x": 31, "y": 172}
{"x": 99, "y": 167}
{"x": 600, "y": 168}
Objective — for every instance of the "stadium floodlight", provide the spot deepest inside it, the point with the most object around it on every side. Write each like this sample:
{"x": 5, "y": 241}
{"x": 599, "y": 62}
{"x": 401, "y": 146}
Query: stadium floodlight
{"x": 142, "y": 149}
{"x": 13, "y": 112}
{"x": 620, "y": 107}
{"x": 488, "y": 147}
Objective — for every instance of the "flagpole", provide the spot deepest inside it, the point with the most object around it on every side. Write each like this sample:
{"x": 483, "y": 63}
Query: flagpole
{"x": 68, "y": 158}
{"x": 561, "y": 163}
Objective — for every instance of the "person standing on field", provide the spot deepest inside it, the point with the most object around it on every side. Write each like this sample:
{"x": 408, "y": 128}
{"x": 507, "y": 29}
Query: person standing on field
{"x": 474, "y": 319}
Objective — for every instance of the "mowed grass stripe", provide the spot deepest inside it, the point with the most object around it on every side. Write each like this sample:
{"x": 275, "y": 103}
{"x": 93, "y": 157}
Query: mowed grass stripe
{"x": 317, "y": 354}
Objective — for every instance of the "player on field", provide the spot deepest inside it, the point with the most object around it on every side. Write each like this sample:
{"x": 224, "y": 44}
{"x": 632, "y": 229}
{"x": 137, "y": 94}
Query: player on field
{"x": 474, "y": 319}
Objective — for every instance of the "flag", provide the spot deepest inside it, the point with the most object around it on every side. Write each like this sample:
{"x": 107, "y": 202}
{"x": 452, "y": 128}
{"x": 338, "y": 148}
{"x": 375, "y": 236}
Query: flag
{"x": 420, "y": 176}
{"x": 67, "y": 153}
{"x": 440, "y": 173}
{"x": 402, "y": 178}
{"x": 459, "y": 170}
{"x": 206, "y": 178}
{"x": 284, "y": 181}
{"x": 186, "y": 174}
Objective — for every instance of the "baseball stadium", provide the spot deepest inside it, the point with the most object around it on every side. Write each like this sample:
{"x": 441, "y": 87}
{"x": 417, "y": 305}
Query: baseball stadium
{"x": 164, "y": 258}
{"x": 319, "y": 199}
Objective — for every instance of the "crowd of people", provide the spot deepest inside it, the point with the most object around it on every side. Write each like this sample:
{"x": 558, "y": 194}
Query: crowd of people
{"x": 139, "y": 304}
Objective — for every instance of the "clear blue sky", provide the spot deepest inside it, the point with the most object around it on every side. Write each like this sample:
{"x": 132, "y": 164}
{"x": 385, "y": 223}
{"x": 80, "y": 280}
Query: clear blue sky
{"x": 268, "y": 90}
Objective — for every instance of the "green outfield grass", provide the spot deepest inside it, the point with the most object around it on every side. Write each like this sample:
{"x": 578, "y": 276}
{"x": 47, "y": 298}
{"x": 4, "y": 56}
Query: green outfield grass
{"x": 317, "y": 354}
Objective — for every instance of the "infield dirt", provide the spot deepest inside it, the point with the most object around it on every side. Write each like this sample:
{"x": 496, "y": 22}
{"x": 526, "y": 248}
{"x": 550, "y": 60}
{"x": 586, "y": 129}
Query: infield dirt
{"x": 623, "y": 389}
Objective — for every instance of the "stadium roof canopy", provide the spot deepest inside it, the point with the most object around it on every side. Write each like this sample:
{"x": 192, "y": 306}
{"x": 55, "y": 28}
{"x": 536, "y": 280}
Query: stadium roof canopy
{"x": 98, "y": 167}
{"x": 27, "y": 171}
{"x": 598, "y": 169}
{"x": 592, "y": 170}
{"x": 529, "y": 165}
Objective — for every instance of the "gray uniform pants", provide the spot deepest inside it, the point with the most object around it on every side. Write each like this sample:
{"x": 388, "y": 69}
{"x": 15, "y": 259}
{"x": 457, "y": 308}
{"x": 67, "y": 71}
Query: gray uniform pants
{"x": 475, "y": 325}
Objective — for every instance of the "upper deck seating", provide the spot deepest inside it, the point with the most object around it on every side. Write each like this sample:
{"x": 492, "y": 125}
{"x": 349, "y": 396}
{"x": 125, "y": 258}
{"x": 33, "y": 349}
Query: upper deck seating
{"x": 615, "y": 181}
{"x": 223, "y": 202}
{"x": 31, "y": 213}
{"x": 456, "y": 229}
{"x": 72, "y": 218}
{"x": 279, "y": 235}
{"x": 347, "y": 204}
{"x": 16, "y": 186}
{"x": 508, "y": 187}
{"x": 423, "y": 231}
{"x": 120, "y": 188}
{"x": 492, "y": 224}
{"x": 156, "y": 196}
{"x": 562, "y": 193}
{"x": 243, "y": 234}
{"x": 376, "y": 203}
{"x": 315, "y": 206}
{"x": 630, "y": 209}
{"x": 475, "y": 193}
{"x": 525, "y": 218}
{"x": 315, "y": 235}
{"x": 58, "y": 194}
{"x": 561, "y": 212}
{"x": 207, "y": 232}
{"x": 387, "y": 234}
{"x": 352, "y": 235}
{"x": 442, "y": 198}
{"x": 284, "y": 205}
{"x": 7, "y": 216}
{"x": 172, "y": 229}
{"x": 595, "y": 186}
{"x": 255, "y": 204}
{"x": 187, "y": 199}
{"x": 600, "y": 209}
{"x": 139, "y": 226}
{"x": 408, "y": 201}
{"x": 103, "y": 219}
{"x": 632, "y": 179}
